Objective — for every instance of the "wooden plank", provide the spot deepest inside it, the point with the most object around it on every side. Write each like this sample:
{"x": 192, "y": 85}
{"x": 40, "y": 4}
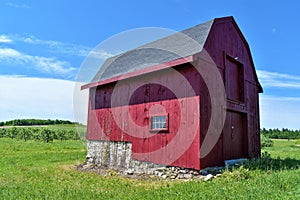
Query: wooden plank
{"x": 193, "y": 120}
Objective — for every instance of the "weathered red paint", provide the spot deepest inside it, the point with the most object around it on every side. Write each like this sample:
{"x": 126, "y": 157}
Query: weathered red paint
{"x": 240, "y": 137}
{"x": 227, "y": 46}
{"x": 103, "y": 123}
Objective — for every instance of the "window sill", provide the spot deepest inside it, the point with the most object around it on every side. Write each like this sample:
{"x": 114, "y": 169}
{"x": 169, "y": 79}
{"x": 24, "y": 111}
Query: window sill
{"x": 159, "y": 131}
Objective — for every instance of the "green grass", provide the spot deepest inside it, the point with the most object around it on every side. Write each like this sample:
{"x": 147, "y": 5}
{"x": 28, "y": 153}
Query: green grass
{"x": 284, "y": 148}
{"x": 37, "y": 170}
{"x": 66, "y": 126}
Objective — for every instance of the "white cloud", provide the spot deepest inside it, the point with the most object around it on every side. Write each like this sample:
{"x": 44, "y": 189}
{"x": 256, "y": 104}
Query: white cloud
{"x": 44, "y": 64}
{"x": 278, "y": 80}
{"x": 60, "y": 47}
{"x": 100, "y": 54}
{"x": 280, "y": 112}
{"x": 27, "y": 97}
{"x": 6, "y": 53}
{"x": 49, "y": 65}
{"x": 15, "y": 5}
{"x": 5, "y": 39}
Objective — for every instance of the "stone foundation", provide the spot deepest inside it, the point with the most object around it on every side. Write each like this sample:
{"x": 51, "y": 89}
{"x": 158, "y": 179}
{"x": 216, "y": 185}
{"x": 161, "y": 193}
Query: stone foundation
{"x": 117, "y": 155}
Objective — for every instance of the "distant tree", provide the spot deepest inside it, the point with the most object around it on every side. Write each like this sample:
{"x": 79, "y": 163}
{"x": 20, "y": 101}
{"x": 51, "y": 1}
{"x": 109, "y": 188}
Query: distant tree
{"x": 284, "y": 133}
{"x": 26, "y": 122}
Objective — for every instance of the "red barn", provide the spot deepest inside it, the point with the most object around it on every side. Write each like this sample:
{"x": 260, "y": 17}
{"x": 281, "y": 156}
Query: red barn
{"x": 190, "y": 100}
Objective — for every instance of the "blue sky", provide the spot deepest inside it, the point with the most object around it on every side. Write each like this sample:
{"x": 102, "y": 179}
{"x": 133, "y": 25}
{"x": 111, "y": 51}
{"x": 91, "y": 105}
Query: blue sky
{"x": 43, "y": 44}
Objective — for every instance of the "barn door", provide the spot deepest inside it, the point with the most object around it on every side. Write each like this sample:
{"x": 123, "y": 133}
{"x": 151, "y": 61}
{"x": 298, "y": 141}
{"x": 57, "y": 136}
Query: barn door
{"x": 233, "y": 136}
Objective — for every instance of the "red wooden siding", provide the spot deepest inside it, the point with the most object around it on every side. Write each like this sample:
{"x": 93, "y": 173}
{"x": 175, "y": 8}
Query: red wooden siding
{"x": 231, "y": 53}
{"x": 129, "y": 118}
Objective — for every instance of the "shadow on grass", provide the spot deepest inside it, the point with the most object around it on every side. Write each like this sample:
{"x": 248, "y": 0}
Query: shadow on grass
{"x": 266, "y": 162}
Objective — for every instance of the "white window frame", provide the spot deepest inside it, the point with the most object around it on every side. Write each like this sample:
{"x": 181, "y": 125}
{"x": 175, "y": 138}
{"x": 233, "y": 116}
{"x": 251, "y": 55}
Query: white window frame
{"x": 159, "y": 123}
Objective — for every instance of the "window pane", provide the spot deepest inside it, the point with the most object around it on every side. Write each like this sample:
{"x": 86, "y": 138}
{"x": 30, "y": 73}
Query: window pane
{"x": 158, "y": 122}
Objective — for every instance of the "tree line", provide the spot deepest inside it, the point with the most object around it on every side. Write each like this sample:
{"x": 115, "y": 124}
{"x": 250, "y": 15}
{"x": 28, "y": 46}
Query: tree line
{"x": 40, "y": 134}
{"x": 280, "y": 134}
{"x": 32, "y": 122}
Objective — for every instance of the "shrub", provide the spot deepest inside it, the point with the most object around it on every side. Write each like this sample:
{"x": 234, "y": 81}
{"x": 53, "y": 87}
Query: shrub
{"x": 47, "y": 134}
{"x": 265, "y": 141}
{"x": 264, "y": 162}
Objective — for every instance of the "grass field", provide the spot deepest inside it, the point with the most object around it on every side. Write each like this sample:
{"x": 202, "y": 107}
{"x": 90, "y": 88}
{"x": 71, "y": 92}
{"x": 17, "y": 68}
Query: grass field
{"x": 38, "y": 170}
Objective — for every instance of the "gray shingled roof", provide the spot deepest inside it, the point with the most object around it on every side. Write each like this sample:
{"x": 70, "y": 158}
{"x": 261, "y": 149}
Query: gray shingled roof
{"x": 178, "y": 45}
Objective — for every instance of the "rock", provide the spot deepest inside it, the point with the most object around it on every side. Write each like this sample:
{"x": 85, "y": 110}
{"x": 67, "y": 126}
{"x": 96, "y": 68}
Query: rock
{"x": 218, "y": 175}
{"x": 187, "y": 176}
{"x": 180, "y": 176}
{"x": 160, "y": 169}
{"x": 181, "y": 171}
{"x": 204, "y": 172}
{"x": 235, "y": 162}
{"x": 150, "y": 172}
{"x": 208, "y": 177}
{"x": 140, "y": 173}
{"x": 173, "y": 177}
{"x": 195, "y": 173}
{"x": 129, "y": 172}
{"x": 88, "y": 156}
{"x": 164, "y": 176}
{"x": 87, "y": 166}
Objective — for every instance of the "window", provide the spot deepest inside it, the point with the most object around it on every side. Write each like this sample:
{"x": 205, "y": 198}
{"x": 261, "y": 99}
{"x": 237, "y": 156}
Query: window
{"x": 159, "y": 122}
{"x": 234, "y": 79}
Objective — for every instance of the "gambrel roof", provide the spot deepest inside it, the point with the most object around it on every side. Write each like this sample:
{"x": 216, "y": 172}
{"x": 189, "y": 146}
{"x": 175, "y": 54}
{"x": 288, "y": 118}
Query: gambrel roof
{"x": 178, "y": 45}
